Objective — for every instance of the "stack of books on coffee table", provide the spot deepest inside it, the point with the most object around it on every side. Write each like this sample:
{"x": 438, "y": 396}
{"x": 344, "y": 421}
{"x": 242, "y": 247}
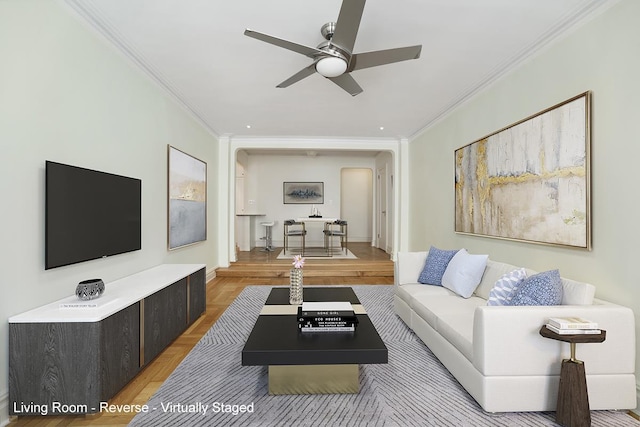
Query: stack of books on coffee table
{"x": 334, "y": 316}
{"x": 572, "y": 326}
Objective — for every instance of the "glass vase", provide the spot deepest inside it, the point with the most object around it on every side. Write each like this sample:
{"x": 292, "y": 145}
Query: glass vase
{"x": 295, "y": 286}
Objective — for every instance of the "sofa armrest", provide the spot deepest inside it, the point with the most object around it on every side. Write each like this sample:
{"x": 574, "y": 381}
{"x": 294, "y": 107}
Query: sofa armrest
{"x": 506, "y": 340}
{"x": 408, "y": 267}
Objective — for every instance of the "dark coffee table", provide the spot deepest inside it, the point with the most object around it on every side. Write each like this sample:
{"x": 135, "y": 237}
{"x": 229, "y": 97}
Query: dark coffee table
{"x": 311, "y": 363}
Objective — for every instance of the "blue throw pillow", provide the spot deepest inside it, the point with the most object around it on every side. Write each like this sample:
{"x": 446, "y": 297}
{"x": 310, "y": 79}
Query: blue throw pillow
{"x": 506, "y": 286}
{"x": 435, "y": 266}
{"x": 540, "y": 289}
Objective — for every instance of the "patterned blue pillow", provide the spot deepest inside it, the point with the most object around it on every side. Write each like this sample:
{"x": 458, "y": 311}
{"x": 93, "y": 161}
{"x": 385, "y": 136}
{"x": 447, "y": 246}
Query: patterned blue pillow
{"x": 506, "y": 286}
{"x": 540, "y": 289}
{"x": 435, "y": 266}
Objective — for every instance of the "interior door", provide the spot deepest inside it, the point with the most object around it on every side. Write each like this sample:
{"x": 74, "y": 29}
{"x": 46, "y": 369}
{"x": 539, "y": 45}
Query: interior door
{"x": 356, "y": 203}
{"x": 381, "y": 232}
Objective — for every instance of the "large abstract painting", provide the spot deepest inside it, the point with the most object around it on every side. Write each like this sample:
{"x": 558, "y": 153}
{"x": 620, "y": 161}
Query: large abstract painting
{"x": 187, "y": 199}
{"x": 529, "y": 181}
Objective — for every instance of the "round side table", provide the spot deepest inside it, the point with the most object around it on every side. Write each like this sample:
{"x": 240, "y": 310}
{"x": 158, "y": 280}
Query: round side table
{"x": 573, "y": 400}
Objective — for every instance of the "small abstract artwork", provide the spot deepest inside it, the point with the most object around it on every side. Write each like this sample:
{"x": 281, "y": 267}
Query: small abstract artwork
{"x": 187, "y": 185}
{"x": 303, "y": 193}
{"x": 529, "y": 181}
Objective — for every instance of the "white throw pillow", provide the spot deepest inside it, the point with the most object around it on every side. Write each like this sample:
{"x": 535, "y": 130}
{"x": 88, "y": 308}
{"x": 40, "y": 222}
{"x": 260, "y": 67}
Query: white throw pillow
{"x": 464, "y": 272}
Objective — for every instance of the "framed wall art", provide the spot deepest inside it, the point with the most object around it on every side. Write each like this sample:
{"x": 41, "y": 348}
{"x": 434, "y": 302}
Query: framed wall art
{"x": 531, "y": 180}
{"x": 303, "y": 193}
{"x": 187, "y": 188}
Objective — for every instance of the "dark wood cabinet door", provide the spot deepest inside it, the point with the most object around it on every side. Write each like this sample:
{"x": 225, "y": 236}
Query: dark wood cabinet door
{"x": 197, "y": 295}
{"x": 52, "y": 364}
{"x": 165, "y": 318}
{"x": 120, "y": 343}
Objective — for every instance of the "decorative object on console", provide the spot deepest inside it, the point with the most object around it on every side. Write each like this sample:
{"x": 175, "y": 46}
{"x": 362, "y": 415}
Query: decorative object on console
{"x": 315, "y": 213}
{"x": 295, "y": 281}
{"x": 303, "y": 192}
{"x": 187, "y": 199}
{"x": 529, "y": 181}
{"x": 435, "y": 266}
{"x": 89, "y": 289}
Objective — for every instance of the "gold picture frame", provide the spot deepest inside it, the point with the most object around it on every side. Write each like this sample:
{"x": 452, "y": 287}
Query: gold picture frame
{"x": 187, "y": 199}
{"x": 530, "y": 181}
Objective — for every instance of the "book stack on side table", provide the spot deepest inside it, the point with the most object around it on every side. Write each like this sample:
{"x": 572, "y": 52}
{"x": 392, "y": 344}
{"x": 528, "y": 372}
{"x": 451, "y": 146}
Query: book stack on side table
{"x": 572, "y": 326}
{"x": 337, "y": 316}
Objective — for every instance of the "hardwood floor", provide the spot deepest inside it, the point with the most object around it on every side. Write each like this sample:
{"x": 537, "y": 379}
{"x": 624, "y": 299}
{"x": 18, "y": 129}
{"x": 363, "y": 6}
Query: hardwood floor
{"x": 373, "y": 267}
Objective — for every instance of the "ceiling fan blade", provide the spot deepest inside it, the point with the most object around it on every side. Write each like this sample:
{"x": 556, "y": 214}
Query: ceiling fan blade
{"x": 305, "y": 72}
{"x": 347, "y": 24}
{"x": 305, "y": 50}
{"x": 382, "y": 57}
{"x": 346, "y": 82}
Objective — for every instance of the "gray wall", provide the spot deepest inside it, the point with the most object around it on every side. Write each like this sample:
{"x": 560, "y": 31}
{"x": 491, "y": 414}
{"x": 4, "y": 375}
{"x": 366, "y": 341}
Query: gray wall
{"x": 66, "y": 95}
{"x": 601, "y": 56}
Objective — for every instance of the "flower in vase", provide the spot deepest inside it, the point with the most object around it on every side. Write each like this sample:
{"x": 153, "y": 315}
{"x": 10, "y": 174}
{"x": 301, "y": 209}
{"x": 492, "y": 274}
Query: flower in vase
{"x": 298, "y": 261}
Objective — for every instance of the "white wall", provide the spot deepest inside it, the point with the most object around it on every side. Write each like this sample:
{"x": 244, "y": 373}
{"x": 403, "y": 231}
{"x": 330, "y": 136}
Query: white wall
{"x": 265, "y": 175}
{"x": 67, "y": 96}
{"x": 601, "y": 56}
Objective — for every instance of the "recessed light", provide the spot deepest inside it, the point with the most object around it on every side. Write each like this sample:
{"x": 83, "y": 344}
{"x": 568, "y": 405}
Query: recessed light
{"x": 248, "y": 126}
{"x": 381, "y": 127}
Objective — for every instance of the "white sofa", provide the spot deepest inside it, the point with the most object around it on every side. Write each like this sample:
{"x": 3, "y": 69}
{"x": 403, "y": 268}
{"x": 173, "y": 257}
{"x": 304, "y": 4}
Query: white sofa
{"x": 497, "y": 353}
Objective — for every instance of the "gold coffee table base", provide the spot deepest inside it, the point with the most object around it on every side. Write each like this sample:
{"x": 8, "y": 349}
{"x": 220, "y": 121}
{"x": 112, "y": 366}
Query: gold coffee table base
{"x": 313, "y": 379}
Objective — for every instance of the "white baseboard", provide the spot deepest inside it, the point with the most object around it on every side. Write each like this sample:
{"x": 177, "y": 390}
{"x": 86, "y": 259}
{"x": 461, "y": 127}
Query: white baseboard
{"x": 4, "y": 409}
{"x": 637, "y": 410}
{"x": 211, "y": 274}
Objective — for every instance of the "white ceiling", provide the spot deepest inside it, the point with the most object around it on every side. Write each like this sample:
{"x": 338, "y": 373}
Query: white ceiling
{"x": 197, "y": 51}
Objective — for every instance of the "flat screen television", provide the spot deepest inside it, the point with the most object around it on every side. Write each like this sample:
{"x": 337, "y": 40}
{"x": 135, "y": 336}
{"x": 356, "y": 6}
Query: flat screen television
{"x": 89, "y": 214}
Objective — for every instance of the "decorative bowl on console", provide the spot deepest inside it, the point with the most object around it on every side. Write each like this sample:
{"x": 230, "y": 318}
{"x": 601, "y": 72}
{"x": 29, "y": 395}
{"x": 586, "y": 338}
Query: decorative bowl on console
{"x": 90, "y": 289}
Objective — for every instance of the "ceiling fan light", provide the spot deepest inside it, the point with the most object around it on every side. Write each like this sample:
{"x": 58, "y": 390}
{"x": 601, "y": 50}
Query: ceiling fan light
{"x": 331, "y": 66}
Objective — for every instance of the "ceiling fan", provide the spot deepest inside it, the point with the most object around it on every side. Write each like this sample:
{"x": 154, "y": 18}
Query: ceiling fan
{"x": 334, "y": 58}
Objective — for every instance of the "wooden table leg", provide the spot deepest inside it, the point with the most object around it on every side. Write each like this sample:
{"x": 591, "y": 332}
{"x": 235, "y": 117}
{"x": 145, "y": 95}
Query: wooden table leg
{"x": 573, "y": 400}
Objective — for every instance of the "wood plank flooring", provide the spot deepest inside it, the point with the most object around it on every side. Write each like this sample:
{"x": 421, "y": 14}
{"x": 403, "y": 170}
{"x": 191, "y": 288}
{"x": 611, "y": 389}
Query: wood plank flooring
{"x": 373, "y": 267}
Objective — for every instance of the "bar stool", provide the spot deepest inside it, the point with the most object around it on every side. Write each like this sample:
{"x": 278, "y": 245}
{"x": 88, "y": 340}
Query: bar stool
{"x": 268, "y": 242}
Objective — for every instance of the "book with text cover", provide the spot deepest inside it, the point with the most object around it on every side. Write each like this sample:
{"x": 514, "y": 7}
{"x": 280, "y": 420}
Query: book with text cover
{"x": 572, "y": 323}
{"x": 327, "y": 308}
{"x": 572, "y": 331}
{"x": 329, "y": 329}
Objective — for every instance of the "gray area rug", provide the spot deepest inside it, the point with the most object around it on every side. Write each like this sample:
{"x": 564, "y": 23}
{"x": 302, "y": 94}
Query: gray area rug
{"x": 413, "y": 389}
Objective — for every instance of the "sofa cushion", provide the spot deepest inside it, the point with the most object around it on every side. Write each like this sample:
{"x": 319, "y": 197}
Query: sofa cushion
{"x": 408, "y": 293}
{"x": 433, "y": 307}
{"x": 458, "y": 330}
{"x": 492, "y": 273}
{"x": 435, "y": 265}
{"x": 506, "y": 287}
{"x": 577, "y": 293}
{"x": 463, "y": 273}
{"x": 540, "y": 289}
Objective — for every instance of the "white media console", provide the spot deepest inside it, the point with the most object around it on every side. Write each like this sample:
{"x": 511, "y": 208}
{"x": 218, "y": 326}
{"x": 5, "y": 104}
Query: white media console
{"x": 69, "y": 356}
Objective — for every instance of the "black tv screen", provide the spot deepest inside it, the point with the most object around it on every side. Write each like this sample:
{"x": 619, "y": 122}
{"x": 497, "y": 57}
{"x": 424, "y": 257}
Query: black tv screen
{"x": 89, "y": 214}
